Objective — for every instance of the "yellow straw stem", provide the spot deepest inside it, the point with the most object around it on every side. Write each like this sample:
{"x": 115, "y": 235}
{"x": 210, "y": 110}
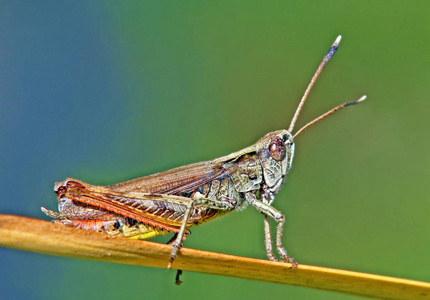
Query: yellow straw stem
{"x": 45, "y": 237}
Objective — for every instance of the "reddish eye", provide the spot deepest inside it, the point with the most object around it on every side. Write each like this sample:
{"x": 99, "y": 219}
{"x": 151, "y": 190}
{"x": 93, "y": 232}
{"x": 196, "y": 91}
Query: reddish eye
{"x": 277, "y": 148}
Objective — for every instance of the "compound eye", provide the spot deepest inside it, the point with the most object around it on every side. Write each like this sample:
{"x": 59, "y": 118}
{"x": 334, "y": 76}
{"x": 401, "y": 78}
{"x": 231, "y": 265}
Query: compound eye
{"x": 277, "y": 148}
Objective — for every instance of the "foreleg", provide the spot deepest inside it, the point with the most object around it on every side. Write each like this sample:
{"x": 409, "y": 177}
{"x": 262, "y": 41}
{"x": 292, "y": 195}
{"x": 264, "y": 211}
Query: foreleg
{"x": 279, "y": 218}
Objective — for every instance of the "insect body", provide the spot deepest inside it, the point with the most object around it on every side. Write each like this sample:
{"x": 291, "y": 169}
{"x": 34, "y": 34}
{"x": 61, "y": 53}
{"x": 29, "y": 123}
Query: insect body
{"x": 174, "y": 200}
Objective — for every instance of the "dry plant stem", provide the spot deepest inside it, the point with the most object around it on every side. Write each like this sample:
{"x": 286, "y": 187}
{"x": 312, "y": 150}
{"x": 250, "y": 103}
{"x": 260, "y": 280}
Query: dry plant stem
{"x": 45, "y": 237}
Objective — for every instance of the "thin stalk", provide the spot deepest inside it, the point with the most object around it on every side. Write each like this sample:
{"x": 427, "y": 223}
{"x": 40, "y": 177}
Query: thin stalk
{"x": 42, "y": 236}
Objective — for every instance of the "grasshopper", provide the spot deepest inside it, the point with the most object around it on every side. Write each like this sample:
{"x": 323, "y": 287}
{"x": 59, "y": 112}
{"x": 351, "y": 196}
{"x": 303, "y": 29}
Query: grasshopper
{"x": 174, "y": 200}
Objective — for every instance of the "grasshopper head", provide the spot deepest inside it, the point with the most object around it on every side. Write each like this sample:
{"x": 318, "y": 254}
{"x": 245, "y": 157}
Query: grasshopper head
{"x": 275, "y": 152}
{"x": 276, "y": 149}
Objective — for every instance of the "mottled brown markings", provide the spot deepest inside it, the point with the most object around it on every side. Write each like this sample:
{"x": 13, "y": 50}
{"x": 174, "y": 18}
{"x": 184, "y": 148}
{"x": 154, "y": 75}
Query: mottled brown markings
{"x": 206, "y": 188}
{"x": 213, "y": 192}
{"x": 223, "y": 189}
{"x": 245, "y": 172}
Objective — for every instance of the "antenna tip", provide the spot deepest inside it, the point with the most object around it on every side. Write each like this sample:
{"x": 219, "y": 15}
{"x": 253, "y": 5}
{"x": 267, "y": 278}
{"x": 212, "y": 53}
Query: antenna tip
{"x": 362, "y": 99}
{"x": 337, "y": 41}
{"x": 356, "y": 101}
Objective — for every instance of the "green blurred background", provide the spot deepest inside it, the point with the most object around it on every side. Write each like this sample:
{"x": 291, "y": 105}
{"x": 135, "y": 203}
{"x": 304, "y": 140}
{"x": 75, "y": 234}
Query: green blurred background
{"x": 108, "y": 91}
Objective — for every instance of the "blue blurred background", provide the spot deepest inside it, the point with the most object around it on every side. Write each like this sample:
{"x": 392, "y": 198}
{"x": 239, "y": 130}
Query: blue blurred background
{"x": 108, "y": 91}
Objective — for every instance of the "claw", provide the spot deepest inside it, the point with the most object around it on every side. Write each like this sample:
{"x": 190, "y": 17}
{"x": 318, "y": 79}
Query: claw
{"x": 293, "y": 263}
{"x": 177, "y": 280}
{"x": 169, "y": 265}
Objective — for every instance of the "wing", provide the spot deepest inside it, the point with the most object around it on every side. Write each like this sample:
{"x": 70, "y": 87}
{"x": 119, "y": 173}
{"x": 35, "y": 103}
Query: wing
{"x": 175, "y": 181}
{"x": 184, "y": 179}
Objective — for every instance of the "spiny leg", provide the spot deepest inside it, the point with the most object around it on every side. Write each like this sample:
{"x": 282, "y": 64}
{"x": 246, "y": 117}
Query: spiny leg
{"x": 279, "y": 218}
{"x": 223, "y": 204}
{"x": 200, "y": 200}
{"x": 178, "y": 281}
{"x": 177, "y": 243}
{"x": 279, "y": 231}
{"x": 267, "y": 198}
{"x": 268, "y": 239}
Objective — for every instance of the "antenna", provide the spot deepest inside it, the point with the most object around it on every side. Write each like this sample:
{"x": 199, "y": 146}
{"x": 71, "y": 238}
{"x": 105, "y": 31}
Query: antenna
{"x": 328, "y": 114}
{"x": 326, "y": 58}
